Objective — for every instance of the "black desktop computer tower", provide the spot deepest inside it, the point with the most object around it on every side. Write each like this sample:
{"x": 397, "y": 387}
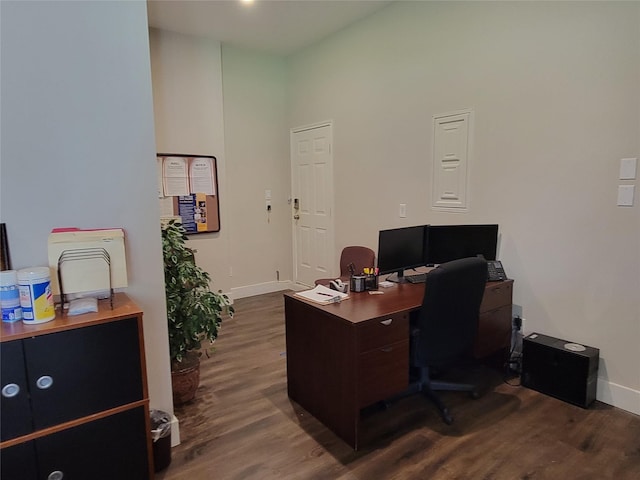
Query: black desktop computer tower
{"x": 561, "y": 369}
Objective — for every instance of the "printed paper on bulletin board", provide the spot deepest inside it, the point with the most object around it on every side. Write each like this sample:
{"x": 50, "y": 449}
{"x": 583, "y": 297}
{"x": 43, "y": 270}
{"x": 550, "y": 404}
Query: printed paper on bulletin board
{"x": 188, "y": 188}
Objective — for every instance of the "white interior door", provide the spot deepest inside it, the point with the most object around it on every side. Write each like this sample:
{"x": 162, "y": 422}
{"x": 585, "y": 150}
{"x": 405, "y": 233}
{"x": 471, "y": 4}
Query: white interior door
{"x": 312, "y": 206}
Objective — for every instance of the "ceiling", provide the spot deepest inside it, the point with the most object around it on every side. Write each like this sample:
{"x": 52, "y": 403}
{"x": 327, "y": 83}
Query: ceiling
{"x": 279, "y": 27}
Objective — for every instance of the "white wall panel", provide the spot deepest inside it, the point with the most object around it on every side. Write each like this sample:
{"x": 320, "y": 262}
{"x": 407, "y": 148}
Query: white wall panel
{"x": 450, "y": 161}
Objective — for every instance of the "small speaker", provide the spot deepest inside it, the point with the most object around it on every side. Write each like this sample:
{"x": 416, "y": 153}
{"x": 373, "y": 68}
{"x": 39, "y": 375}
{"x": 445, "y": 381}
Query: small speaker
{"x": 564, "y": 370}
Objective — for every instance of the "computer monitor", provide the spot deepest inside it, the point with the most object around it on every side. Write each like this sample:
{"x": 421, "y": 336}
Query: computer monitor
{"x": 400, "y": 249}
{"x": 444, "y": 243}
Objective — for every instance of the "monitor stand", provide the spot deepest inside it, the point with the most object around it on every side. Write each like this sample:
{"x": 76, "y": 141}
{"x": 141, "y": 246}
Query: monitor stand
{"x": 397, "y": 277}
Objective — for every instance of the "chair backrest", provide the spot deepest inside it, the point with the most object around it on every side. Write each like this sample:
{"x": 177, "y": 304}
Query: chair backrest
{"x": 361, "y": 257}
{"x": 448, "y": 319}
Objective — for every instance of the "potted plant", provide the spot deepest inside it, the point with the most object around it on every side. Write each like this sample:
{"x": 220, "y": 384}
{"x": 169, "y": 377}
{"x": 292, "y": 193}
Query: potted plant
{"x": 194, "y": 311}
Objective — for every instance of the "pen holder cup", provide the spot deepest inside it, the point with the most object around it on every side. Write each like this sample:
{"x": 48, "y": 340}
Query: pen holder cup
{"x": 358, "y": 283}
{"x": 371, "y": 282}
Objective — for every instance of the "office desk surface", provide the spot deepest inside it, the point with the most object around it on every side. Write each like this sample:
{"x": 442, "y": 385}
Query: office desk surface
{"x": 362, "y": 306}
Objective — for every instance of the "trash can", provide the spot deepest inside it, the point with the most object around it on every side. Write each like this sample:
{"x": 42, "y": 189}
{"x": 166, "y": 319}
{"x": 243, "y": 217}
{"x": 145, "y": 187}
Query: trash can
{"x": 161, "y": 435}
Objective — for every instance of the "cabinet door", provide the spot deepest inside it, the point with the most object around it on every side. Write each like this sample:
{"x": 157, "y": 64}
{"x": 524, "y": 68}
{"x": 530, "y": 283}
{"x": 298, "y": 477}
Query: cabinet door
{"x": 79, "y": 372}
{"x": 113, "y": 447}
{"x": 14, "y": 404}
{"x": 18, "y": 462}
{"x": 383, "y": 372}
{"x": 494, "y": 332}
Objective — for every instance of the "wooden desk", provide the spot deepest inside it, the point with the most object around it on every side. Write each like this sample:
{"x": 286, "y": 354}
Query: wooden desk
{"x": 345, "y": 356}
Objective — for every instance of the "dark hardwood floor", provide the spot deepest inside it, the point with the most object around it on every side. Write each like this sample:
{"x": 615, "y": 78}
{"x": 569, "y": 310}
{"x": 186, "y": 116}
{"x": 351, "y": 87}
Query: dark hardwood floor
{"x": 243, "y": 426}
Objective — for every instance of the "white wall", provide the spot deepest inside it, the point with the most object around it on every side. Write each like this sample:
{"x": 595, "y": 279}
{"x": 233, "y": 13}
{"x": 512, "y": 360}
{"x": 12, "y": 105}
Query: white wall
{"x": 257, "y": 147}
{"x": 188, "y": 110}
{"x": 248, "y": 134}
{"x": 555, "y": 91}
{"x": 77, "y": 146}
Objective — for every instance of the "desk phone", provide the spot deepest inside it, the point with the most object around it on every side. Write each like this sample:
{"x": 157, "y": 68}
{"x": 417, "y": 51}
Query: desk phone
{"x": 495, "y": 271}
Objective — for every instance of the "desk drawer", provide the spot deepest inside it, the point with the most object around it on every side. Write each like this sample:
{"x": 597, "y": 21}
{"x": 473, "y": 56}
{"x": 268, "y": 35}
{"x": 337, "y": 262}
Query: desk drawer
{"x": 496, "y": 295}
{"x": 383, "y": 331}
{"x": 383, "y": 372}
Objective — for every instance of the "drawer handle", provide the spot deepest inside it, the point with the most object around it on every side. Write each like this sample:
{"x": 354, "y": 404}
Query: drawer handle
{"x": 43, "y": 383}
{"x": 387, "y": 349}
{"x": 10, "y": 390}
{"x": 387, "y": 322}
{"x": 56, "y": 475}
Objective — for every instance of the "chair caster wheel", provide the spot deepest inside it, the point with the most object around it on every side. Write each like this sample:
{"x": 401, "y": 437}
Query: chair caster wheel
{"x": 473, "y": 394}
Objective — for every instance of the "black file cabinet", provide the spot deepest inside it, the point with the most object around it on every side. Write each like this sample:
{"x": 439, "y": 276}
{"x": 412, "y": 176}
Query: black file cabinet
{"x": 74, "y": 398}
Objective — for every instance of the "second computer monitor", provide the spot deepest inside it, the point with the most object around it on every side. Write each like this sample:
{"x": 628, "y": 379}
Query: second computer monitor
{"x": 400, "y": 249}
{"x": 451, "y": 242}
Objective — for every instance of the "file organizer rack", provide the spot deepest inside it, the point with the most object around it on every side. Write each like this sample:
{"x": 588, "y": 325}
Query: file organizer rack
{"x": 79, "y": 254}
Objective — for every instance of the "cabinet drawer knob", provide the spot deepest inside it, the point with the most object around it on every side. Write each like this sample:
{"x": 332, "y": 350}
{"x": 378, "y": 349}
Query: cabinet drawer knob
{"x": 387, "y": 322}
{"x": 56, "y": 475}
{"x": 10, "y": 390}
{"x": 43, "y": 383}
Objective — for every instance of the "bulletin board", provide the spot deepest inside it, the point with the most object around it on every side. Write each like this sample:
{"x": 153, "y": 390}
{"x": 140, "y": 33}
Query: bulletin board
{"x": 188, "y": 188}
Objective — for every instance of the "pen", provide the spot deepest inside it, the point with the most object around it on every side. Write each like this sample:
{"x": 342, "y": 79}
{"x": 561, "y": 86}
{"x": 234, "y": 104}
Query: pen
{"x": 325, "y": 294}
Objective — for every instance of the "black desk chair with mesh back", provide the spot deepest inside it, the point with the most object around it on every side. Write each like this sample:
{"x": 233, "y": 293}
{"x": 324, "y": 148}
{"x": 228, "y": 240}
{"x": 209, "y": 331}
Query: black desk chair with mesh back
{"x": 446, "y": 325}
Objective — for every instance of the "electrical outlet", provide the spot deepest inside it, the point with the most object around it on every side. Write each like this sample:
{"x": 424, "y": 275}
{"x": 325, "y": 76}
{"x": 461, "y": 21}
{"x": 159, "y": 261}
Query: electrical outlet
{"x": 403, "y": 210}
{"x": 522, "y": 327}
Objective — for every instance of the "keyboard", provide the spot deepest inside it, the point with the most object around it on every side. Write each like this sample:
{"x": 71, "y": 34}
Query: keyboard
{"x": 417, "y": 278}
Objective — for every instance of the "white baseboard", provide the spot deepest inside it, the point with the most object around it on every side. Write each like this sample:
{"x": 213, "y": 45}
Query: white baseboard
{"x": 260, "y": 288}
{"x": 619, "y": 396}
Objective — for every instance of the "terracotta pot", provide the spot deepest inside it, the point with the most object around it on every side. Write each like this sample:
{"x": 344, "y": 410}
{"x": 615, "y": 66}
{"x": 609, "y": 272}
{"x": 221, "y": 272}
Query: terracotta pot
{"x": 185, "y": 378}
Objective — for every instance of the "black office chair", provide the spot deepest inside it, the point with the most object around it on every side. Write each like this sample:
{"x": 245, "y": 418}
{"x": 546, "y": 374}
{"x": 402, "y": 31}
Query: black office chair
{"x": 446, "y": 325}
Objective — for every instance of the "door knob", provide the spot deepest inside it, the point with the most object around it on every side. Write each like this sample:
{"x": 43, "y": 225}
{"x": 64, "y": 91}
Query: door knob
{"x": 296, "y": 217}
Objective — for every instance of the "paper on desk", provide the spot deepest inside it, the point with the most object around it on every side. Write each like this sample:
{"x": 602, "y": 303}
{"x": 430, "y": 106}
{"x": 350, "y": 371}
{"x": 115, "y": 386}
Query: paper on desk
{"x": 323, "y": 295}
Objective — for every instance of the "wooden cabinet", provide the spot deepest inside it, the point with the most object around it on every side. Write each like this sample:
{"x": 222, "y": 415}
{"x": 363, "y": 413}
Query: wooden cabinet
{"x": 383, "y": 363}
{"x": 494, "y": 324}
{"x": 74, "y": 397}
{"x": 344, "y": 357}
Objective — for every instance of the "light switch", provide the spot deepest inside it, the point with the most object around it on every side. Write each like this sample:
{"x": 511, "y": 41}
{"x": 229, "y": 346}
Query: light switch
{"x": 628, "y": 168}
{"x": 267, "y": 194}
{"x": 625, "y": 195}
{"x": 403, "y": 210}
